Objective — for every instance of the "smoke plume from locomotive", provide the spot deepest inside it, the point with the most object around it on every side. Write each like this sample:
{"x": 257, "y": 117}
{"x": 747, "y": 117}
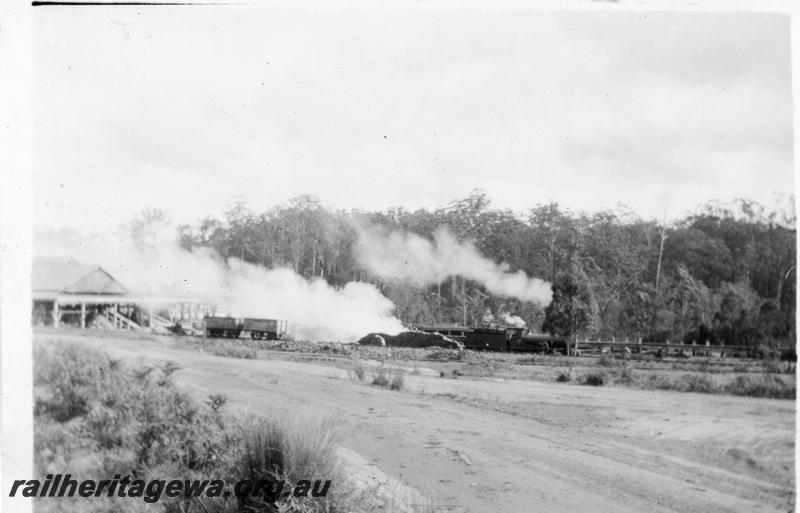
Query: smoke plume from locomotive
{"x": 409, "y": 257}
{"x": 162, "y": 268}
{"x": 512, "y": 320}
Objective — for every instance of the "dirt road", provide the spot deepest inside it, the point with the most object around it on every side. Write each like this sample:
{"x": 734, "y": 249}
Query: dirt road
{"x": 520, "y": 446}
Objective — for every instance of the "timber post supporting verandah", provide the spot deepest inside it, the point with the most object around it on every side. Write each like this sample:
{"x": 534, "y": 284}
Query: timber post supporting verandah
{"x": 56, "y": 314}
{"x": 122, "y": 312}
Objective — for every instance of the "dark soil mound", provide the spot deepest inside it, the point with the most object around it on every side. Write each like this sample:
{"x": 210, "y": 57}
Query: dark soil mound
{"x": 375, "y": 339}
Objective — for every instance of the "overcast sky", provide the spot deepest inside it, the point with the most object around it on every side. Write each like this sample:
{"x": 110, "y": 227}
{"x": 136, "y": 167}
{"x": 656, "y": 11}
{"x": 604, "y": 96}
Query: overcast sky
{"x": 187, "y": 108}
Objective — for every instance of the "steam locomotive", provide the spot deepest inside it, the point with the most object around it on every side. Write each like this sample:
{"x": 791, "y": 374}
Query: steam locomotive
{"x": 233, "y": 327}
{"x": 494, "y": 338}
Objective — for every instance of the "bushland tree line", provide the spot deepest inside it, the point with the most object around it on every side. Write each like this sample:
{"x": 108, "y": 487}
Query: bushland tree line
{"x": 724, "y": 274}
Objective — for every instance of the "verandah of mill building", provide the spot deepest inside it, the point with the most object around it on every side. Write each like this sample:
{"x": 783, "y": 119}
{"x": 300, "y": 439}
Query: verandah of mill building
{"x": 68, "y": 293}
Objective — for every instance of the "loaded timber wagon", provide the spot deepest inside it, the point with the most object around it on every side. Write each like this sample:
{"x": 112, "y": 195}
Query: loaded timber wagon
{"x": 233, "y": 327}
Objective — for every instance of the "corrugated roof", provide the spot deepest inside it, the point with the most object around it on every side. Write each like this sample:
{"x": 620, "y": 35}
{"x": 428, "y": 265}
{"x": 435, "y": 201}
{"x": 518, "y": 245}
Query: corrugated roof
{"x": 68, "y": 276}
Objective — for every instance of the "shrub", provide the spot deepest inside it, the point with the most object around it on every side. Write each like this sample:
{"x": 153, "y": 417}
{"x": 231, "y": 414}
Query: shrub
{"x": 74, "y": 375}
{"x": 740, "y": 368}
{"x": 167, "y": 370}
{"x": 217, "y": 401}
{"x": 762, "y": 385}
{"x": 174, "y": 430}
{"x": 595, "y": 379}
{"x": 119, "y": 407}
{"x": 659, "y": 382}
{"x": 776, "y": 366}
{"x": 380, "y": 379}
{"x": 606, "y": 359}
{"x": 625, "y": 374}
{"x": 54, "y": 446}
{"x": 563, "y": 377}
{"x": 696, "y": 383}
{"x": 137, "y": 421}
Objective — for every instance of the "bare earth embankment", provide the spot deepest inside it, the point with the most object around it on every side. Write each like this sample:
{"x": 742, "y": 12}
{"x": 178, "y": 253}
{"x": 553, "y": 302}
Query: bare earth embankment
{"x": 519, "y": 446}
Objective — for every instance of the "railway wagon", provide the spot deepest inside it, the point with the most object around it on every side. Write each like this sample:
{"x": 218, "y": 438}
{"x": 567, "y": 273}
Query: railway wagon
{"x": 233, "y": 327}
{"x": 222, "y": 327}
{"x": 269, "y": 329}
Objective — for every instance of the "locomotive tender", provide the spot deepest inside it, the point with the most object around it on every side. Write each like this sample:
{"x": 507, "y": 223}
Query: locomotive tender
{"x": 233, "y": 327}
{"x": 494, "y": 338}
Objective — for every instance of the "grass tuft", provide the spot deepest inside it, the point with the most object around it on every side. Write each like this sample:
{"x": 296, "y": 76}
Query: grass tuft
{"x": 290, "y": 449}
{"x": 393, "y": 379}
{"x": 358, "y": 370}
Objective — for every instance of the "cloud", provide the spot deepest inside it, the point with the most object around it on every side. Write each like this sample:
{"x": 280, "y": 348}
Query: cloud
{"x": 587, "y": 109}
